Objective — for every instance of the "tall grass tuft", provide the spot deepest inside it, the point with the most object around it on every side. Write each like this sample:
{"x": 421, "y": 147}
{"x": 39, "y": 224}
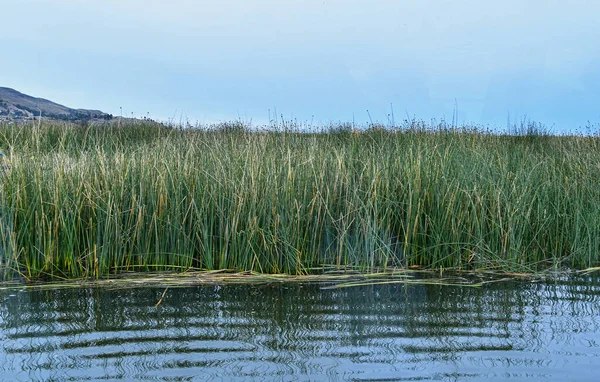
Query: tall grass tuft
{"x": 91, "y": 201}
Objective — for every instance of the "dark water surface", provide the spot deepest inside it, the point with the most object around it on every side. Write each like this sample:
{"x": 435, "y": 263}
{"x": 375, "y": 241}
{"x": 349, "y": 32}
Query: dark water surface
{"x": 285, "y": 332}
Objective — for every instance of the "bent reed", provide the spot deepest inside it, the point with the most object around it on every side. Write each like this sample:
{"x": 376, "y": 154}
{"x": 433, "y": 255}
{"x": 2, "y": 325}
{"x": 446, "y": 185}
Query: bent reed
{"x": 81, "y": 202}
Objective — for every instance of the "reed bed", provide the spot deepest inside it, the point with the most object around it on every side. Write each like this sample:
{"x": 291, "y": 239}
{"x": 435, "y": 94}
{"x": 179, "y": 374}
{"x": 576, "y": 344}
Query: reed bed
{"x": 89, "y": 202}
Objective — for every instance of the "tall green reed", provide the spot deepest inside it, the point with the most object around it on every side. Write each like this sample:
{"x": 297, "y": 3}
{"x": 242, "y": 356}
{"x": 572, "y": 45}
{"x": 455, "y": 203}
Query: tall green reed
{"x": 90, "y": 201}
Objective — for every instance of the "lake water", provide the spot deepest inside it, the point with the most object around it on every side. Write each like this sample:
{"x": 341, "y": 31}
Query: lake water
{"x": 512, "y": 331}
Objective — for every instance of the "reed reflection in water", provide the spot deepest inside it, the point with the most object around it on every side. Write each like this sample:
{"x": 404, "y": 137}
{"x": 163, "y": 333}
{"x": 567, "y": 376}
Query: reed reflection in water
{"x": 393, "y": 332}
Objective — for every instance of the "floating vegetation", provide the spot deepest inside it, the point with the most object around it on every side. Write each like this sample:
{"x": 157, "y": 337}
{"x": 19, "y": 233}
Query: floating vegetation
{"x": 91, "y": 202}
{"x": 328, "y": 279}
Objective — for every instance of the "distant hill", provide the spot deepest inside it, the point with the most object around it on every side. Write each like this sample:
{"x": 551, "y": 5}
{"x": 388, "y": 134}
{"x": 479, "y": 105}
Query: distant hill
{"x": 18, "y": 106}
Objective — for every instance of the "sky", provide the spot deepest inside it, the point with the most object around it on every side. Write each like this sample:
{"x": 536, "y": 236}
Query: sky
{"x": 316, "y": 61}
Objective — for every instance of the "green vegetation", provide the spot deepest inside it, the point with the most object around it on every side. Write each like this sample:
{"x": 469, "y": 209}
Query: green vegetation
{"x": 91, "y": 201}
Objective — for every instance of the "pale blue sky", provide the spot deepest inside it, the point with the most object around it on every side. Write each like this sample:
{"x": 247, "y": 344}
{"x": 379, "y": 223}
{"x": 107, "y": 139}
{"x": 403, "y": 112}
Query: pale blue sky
{"x": 331, "y": 59}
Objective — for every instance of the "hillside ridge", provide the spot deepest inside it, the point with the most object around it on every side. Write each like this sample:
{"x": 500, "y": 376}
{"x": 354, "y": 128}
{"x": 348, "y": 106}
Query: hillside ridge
{"x": 15, "y": 105}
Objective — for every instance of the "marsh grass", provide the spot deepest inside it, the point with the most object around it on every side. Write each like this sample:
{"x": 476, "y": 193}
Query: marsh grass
{"x": 86, "y": 202}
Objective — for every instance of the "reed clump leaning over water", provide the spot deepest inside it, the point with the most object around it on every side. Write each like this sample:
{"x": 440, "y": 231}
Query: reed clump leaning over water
{"x": 91, "y": 201}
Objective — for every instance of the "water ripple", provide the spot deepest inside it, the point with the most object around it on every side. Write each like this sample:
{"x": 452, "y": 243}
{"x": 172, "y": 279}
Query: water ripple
{"x": 299, "y": 332}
